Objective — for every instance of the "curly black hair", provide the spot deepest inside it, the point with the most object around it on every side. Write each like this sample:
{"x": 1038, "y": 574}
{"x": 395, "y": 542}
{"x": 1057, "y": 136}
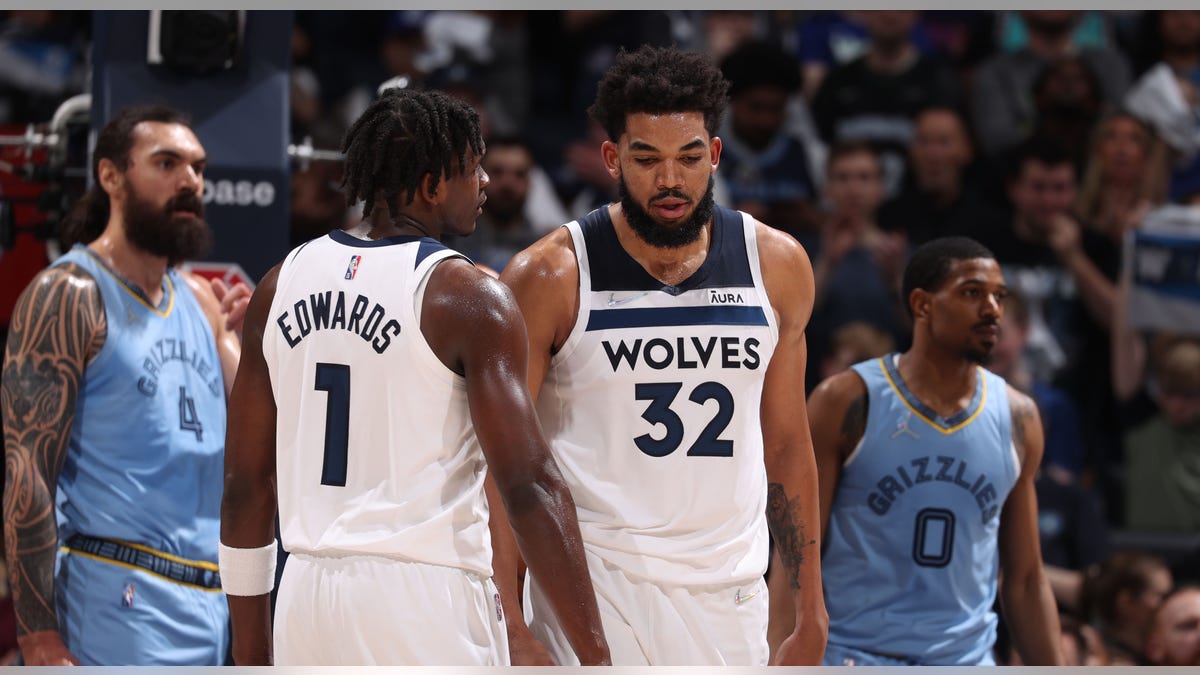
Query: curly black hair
{"x": 402, "y": 136}
{"x": 930, "y": 263}
{"x": 659, "y": 80}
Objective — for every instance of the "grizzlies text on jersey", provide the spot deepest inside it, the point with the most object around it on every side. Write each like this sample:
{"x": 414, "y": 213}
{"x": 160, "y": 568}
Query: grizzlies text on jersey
{"x": 911, "y": 553}
{"x": 139, "y": 494}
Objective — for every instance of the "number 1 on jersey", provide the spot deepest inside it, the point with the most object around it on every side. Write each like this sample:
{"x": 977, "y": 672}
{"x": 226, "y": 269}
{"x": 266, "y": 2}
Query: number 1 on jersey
{"x": 334, "y": 378}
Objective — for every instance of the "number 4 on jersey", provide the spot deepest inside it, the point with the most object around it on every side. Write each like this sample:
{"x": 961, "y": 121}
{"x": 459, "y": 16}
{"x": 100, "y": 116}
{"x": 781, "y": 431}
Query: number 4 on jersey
{"x": 188, "y": 421}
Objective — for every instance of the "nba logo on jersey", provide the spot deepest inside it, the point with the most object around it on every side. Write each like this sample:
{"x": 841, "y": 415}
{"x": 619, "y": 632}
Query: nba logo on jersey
{"x": 352, "y": 268}
{"x": 127, "y": 596}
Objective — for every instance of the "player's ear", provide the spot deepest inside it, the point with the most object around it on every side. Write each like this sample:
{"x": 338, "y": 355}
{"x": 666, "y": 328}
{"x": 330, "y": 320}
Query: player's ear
{"x": 919, "y": 301}
{"x": 427, "y": 191}
{"x": 714, "y": 152}
{"x": 612, "y": 159}
{"x": 109, "y": 176}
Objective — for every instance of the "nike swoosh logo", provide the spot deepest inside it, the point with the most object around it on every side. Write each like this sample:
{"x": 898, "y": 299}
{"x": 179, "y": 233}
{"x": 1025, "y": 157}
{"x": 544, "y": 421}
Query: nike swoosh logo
{"x": 738, "y": 598}
{"x": 615, "y": 301}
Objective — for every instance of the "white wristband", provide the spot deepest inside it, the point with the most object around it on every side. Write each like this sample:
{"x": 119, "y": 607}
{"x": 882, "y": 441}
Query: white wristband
{"x": 247, "y": 571}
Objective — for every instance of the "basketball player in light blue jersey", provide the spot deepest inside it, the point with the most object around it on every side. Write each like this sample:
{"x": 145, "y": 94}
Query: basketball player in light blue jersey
{"x": 113, "y": 395}
{"x": 926, "y": 464}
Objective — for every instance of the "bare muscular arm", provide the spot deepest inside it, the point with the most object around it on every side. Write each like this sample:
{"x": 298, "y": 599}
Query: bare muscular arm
{"x": 248, "y": 504}
{"x": 1025, "y": 592}
{"x": 58, "y": 325}
{"x": 474, "y": 325}
{"x": 792, "y": 504}
{"x": 838, "y": 413}
{"x": 544, "y": 280}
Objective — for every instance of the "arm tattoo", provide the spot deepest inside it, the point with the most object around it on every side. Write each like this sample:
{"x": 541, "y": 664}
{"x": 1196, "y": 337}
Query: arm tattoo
{"x": 783, "y": 516}
{"x": 854, "y": 425}
{"x": 57, "y": 325}
{"x": 1020, "y": 417}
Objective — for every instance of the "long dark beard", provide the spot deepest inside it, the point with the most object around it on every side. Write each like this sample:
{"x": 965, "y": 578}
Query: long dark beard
{"x": 160, "y": 231}
{"x": 663, "y": 236}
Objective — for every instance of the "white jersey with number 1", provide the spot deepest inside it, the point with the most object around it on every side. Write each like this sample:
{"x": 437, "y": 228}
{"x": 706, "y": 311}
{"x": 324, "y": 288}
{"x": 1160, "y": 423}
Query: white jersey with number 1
{"x": 376, "y": 451}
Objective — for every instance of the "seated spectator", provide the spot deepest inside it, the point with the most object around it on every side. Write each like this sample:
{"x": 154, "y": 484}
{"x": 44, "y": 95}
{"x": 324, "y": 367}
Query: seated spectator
{"x": 1126, "y": 176}
{"x": 827, "y": 39}
{"x": 1066, "y": 273}
{"x": 853, "y": 343}
{"x": 1162, "y": 456}
{"x": 1080, "y": 645}
{"x": 1120, "y": 597}
{"x": 1068, "y": 103}
{"x": 875, "y": 97}
{"x": 765, "y": 167}
{"x": 542, "y": 207}
{"x": 938, "y": 198}
{"x": 1059, "y": 267}
{"x": 1169, "y": 91}
{"x": 856, "y": 267}
{"x": 503, "y": 230}
{"x": 1174, "y": 638}
{"x": 1002, "y": 90}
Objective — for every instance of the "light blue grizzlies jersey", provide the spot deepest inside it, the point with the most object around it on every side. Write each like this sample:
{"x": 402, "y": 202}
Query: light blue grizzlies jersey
{"x": 652, "y": 408}
{"x": 911, "y": 554}
{"x": 145, "y": 457}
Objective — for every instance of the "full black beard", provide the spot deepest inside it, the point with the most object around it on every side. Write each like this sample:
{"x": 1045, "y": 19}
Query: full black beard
{"x": 658, "y": 235}
{"x": 158, "y": 231}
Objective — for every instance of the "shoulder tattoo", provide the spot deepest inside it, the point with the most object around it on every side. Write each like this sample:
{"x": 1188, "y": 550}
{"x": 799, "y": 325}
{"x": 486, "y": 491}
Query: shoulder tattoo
{"x": 854, "y": 425}
{"x": 1022, "y": 409}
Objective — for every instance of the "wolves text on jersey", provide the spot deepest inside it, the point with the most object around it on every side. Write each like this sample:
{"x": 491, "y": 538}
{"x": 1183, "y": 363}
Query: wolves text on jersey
{"x": 684, "y": 353}
{"x": 324, "y": 311}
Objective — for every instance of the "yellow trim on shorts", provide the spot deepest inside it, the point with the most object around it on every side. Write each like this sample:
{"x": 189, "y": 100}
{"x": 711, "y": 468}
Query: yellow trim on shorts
{"x": 202, "y": 564}
{"x": 118, "y": 563}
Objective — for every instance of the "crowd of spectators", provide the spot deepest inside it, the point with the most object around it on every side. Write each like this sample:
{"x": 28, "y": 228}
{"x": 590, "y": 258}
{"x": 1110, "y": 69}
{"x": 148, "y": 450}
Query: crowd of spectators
{"x": 1047, "y": 135}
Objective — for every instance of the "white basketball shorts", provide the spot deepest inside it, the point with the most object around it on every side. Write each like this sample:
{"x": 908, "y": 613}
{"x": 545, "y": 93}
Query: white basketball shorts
{"x": 658, "y": 625}
{"x": 367, "y": 610}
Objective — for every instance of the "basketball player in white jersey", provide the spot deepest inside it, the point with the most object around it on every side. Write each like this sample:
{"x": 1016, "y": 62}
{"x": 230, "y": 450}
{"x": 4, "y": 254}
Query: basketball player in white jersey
{"x": 378, "y": 362}
{"x": 667, "y": 355}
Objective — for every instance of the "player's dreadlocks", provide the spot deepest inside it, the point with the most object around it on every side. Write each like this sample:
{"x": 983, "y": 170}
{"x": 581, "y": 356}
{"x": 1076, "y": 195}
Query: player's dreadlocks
{"x": 404, "y": 135}
{"x": 659, "y": 80}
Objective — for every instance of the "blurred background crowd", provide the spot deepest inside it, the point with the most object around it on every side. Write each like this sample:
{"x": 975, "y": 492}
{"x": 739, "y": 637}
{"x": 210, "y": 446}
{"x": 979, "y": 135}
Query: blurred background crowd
{"x": 1050, "y": 136}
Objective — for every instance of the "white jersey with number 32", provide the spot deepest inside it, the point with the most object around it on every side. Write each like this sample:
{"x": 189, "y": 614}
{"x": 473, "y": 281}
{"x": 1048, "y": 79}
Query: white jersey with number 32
{"x": 652, "y": 408}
